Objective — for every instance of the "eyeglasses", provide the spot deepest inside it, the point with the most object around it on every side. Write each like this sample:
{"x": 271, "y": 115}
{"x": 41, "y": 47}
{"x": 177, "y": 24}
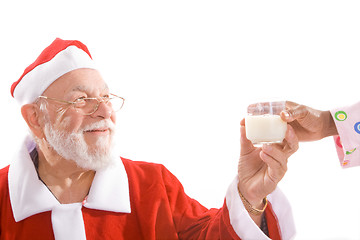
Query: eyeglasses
{"x": 88, "y": 106}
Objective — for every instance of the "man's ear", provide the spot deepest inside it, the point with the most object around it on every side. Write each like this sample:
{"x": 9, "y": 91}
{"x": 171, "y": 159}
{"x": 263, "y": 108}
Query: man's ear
{"x": 32, "y": 116}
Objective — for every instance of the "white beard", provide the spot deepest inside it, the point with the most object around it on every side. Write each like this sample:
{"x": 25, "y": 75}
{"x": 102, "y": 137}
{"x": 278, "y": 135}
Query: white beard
{"x": 73, "y": 147}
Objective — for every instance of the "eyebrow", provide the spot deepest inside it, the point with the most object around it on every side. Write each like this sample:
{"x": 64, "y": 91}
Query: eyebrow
{"x": 82, "y": 88}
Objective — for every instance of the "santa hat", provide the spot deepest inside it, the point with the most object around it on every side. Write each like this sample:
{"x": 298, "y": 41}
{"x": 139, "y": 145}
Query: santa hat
{"x": 60, "y": 57}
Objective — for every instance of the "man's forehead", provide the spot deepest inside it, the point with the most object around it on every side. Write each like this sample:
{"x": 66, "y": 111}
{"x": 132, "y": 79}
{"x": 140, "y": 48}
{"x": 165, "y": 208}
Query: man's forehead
{"x": 79, "y": 80}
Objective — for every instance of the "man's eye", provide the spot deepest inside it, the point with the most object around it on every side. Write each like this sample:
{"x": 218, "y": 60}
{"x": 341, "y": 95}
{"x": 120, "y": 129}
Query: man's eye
{"x": 106, "y": 97}
{"x": 80, "y": 101}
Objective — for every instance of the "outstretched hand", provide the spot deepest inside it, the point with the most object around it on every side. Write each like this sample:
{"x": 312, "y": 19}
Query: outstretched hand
{"x": 309, "y": 124}
{"x": 261, "y": 168}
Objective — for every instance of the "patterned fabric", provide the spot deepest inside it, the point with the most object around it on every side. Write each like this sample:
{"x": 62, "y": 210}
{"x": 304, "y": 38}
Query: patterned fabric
{"x": 347, "y": 120}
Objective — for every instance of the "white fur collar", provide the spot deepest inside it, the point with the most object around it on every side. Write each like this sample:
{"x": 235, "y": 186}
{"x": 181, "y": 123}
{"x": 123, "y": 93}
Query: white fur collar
{"x": 29, "y": 196}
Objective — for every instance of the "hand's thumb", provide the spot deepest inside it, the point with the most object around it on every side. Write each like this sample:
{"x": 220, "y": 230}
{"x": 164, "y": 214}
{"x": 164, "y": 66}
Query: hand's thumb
{"x": 246, "y": 145}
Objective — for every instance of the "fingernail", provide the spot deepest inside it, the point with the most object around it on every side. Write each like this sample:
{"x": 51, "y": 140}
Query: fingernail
{"x": 286, "y": 114}
{"x": 267, "y": 147}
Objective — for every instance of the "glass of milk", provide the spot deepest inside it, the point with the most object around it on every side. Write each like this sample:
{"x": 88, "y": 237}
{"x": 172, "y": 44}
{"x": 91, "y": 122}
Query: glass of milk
{"x": 263, "y": 123}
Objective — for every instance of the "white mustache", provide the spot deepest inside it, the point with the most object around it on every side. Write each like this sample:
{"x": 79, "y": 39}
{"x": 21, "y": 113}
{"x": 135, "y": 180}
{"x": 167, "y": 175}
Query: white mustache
{"x": 106, "y": 123}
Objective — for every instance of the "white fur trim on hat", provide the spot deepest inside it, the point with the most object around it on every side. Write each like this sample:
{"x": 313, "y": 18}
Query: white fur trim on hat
{"x": 35, "y": 82}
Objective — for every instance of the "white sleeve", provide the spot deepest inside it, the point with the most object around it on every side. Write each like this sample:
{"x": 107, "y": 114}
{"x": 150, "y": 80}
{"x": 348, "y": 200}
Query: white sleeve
{"x": 246, "y": 228}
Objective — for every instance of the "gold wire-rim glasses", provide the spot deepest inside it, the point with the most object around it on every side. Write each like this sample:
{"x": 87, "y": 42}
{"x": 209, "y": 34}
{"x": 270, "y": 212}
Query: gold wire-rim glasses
{"x": 78, "y": 101}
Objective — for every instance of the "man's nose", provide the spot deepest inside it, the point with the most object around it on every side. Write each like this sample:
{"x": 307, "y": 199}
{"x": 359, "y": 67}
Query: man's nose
{"x": 104, "y": 110}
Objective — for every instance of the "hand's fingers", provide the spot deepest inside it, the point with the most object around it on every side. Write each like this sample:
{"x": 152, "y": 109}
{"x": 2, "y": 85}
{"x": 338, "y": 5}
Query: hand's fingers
{"x": 291, "y": 141}
{"x": 276, "y": 155}
{"x": 281, "y": 152}
{"x": 291, "y": 104}
{"x": 276, "y": 152}
{"x": 294, "y": 112}
{"x": 242, "y": 122}
{"x": 276, "y": 170}
{"x": 246, "y": 145}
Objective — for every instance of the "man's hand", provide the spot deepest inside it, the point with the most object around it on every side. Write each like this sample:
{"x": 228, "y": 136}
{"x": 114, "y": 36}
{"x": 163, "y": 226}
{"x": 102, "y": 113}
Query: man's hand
{"x": 309, "y": 124}
{"x": 261, "y": 168}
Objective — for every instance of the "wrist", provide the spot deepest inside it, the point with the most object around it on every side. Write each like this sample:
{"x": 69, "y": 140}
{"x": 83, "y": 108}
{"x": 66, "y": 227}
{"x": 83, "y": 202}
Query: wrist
{"x": 329, "y": 126}
{"x": 253, "y": 206}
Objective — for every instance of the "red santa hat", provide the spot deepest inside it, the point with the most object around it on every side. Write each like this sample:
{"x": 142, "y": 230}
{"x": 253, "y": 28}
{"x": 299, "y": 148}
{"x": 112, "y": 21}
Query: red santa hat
{"x": 60, "y": 57}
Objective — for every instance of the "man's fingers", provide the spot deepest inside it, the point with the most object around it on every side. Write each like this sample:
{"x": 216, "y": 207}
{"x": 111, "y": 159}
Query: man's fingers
{"x": 291, "y": 141}
{"x": 276, "y": 168}
{"x": 277, "y": 154}
{"x": 288, "y": 146}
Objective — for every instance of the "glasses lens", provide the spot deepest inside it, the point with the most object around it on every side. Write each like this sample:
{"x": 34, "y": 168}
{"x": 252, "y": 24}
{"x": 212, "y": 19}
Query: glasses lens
{"x": 86, "y": 106}
{"x": 116, "y": 103}
{"x": 89, "y": 106}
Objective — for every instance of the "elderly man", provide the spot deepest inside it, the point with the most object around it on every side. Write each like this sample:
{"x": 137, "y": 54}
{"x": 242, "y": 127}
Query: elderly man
{"x": 65, "y": 183}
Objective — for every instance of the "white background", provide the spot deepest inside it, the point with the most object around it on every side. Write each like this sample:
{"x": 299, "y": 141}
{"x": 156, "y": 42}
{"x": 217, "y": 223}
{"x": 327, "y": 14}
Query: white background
{"x": 188, "y": 69}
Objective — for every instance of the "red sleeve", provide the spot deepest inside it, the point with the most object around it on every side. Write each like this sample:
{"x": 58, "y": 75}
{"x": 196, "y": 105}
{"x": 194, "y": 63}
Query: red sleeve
{"x": 163, "y": 208}
{"x": 272, "y": 223}
{"x": 192, "y": 220}
{"x": 197, "y": 222}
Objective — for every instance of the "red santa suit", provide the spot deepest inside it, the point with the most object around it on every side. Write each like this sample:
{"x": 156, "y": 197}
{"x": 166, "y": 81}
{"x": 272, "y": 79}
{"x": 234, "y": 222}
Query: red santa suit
{"x": 130, "y": 200}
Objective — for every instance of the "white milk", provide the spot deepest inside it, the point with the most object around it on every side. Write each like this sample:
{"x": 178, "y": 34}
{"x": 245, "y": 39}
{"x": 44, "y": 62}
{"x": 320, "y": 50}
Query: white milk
{"x": 265, "y": 128}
